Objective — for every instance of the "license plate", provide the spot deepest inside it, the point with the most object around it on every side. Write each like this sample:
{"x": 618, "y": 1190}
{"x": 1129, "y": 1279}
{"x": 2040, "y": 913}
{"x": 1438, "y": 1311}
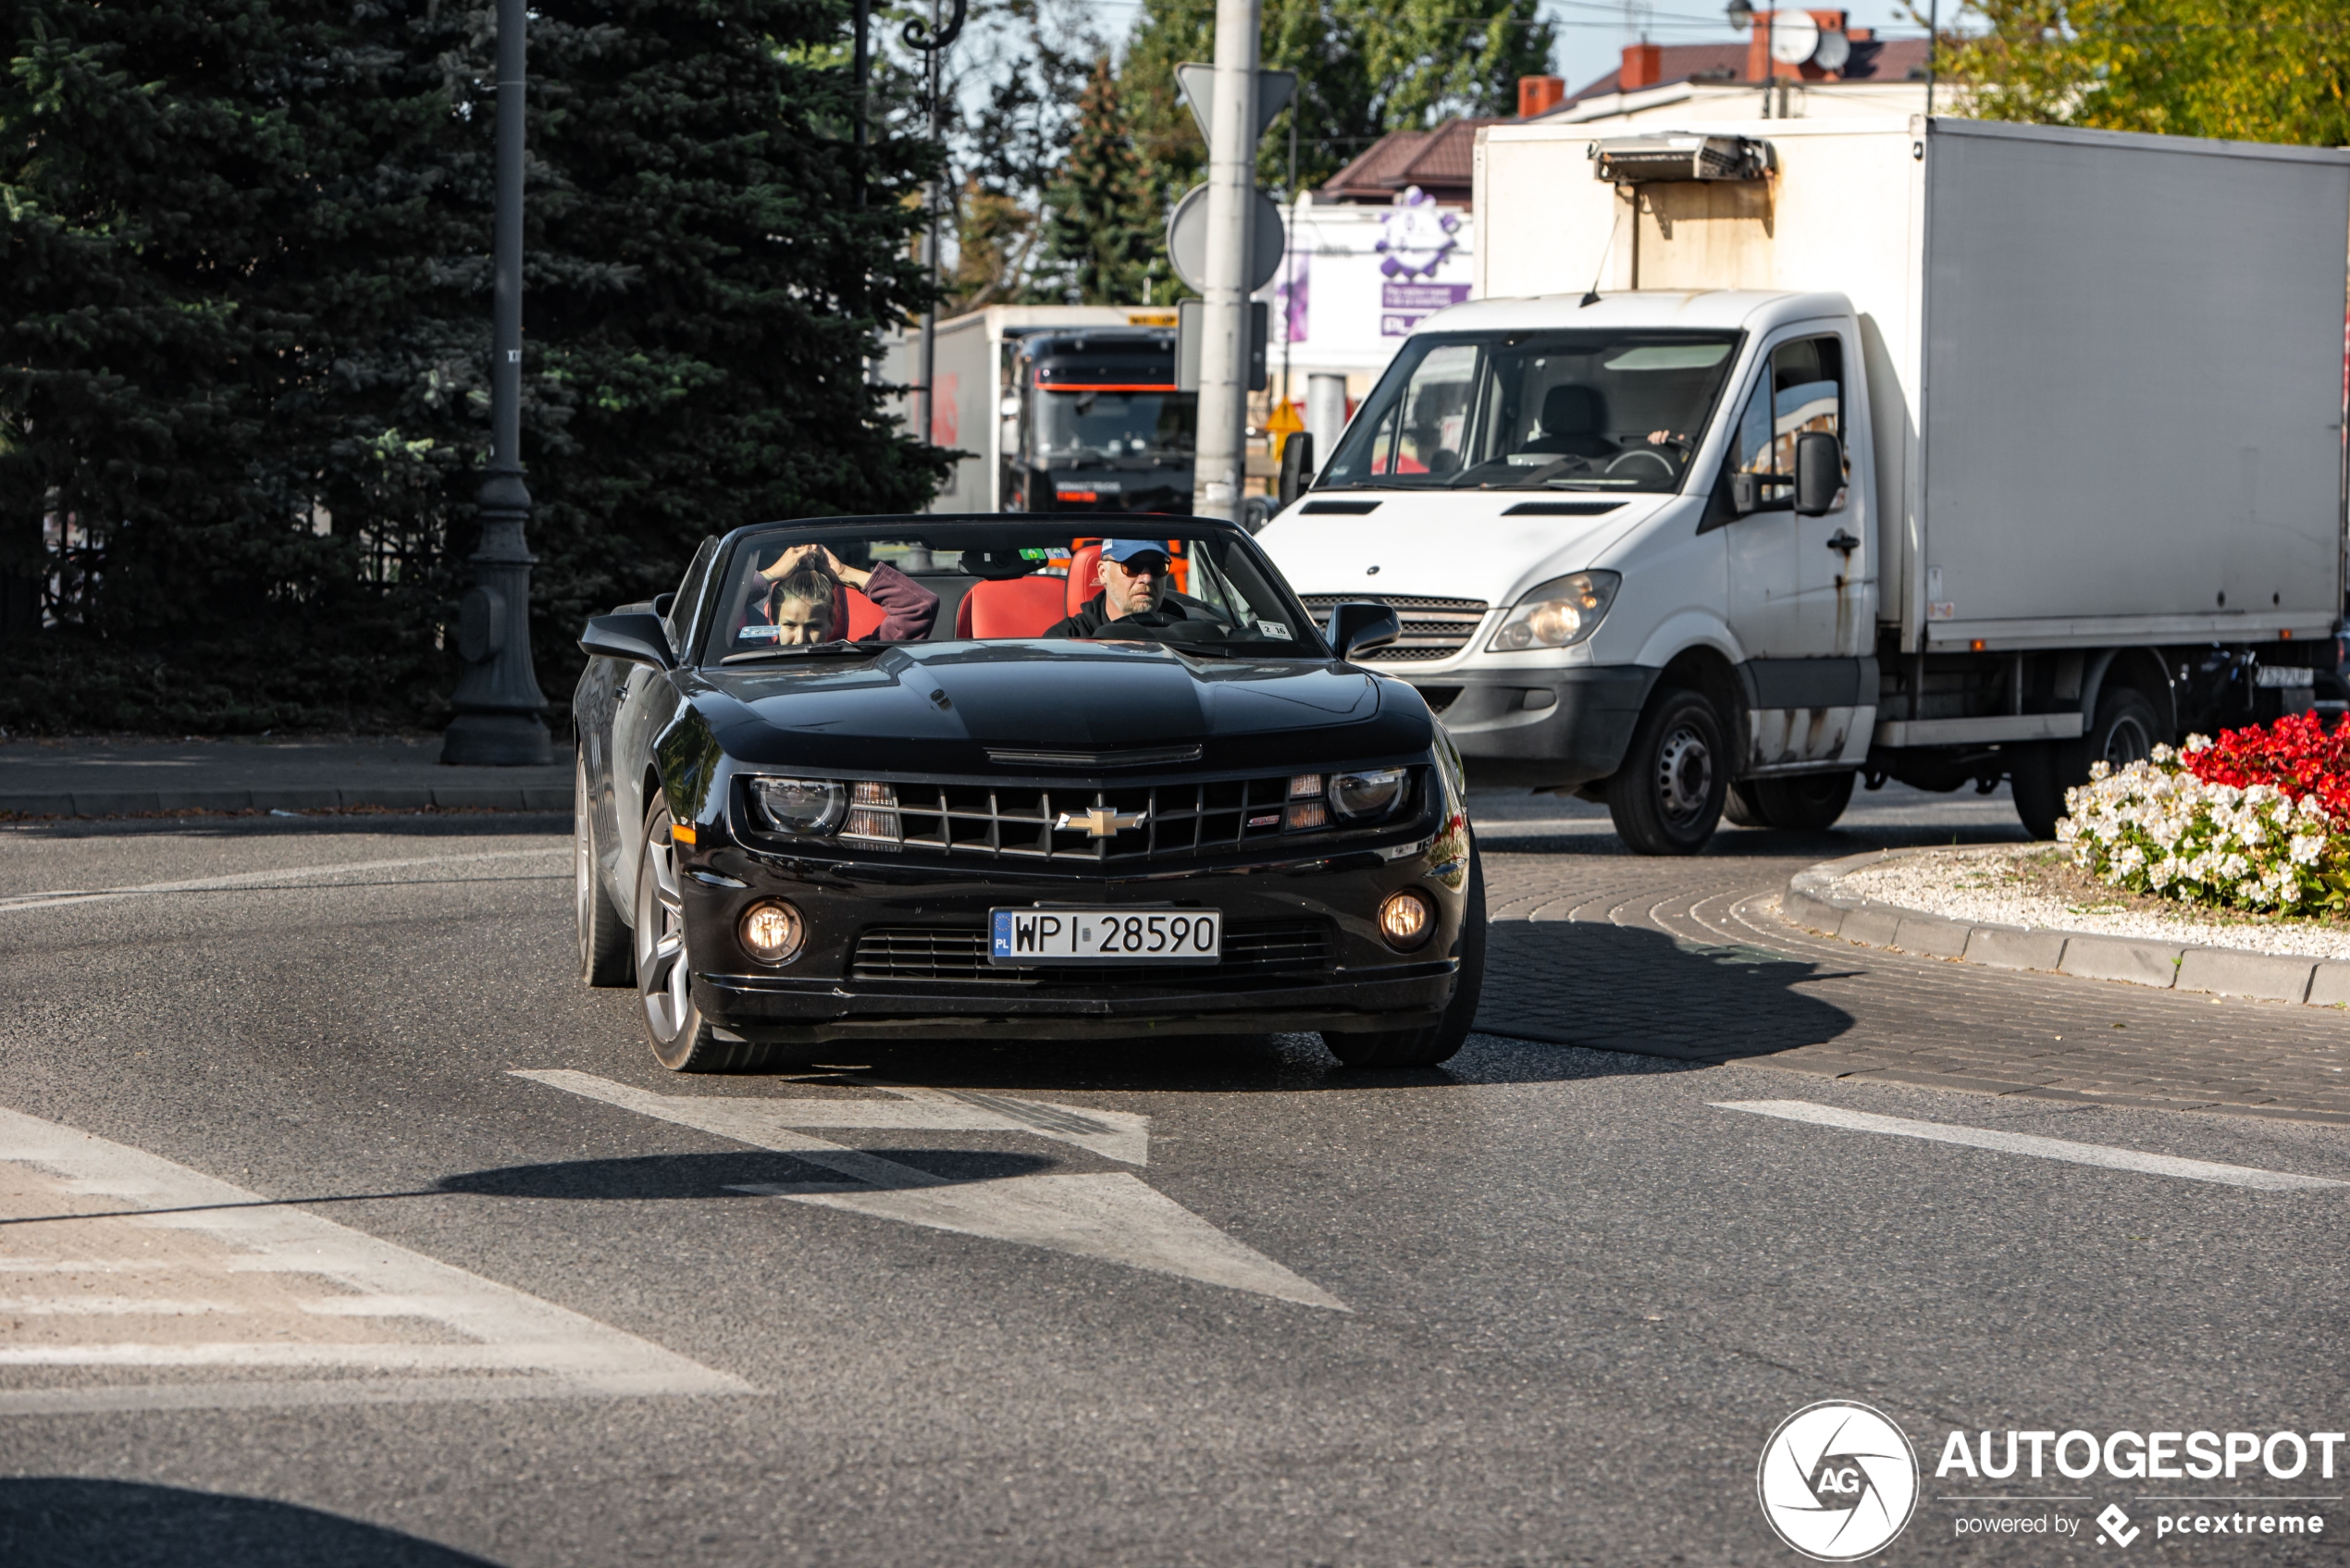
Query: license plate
{"x": 1111, "y": 936}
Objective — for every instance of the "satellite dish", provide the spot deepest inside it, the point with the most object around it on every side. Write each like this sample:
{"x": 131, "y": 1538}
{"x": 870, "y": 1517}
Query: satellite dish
{"x": 1794, "y": 36}
{"x": 1835, "y": 51}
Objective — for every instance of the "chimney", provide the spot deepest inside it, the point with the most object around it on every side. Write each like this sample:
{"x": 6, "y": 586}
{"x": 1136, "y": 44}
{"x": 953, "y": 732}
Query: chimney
{"x": 1643, "y": 65}
{"x": 1538, "y": 95}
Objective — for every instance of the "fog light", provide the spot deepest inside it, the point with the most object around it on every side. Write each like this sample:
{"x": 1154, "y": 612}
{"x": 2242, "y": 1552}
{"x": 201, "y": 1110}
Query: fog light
{"x": 1406, "y": 918}
{"x": 772, "y": 932}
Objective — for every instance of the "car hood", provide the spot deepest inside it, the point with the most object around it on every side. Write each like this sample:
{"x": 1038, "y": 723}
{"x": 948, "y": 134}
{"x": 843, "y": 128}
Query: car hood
{"x": 940, "y": 707}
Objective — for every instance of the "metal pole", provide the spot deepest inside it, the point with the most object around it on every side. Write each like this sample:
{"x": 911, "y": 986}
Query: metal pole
{"x": 1932, "y": 42}
{"x": 498, "y": 704}
{"x": 861, "y": 73}
{"x": 1770, "y": 66}
{"x": 930, "y": 249}
{"x": 1221, "y": 462}
{"x": 1289, "y": 265}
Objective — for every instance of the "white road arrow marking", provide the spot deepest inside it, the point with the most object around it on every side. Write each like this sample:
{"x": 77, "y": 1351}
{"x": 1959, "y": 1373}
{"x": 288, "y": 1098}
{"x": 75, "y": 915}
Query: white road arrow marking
{"x": 1110, "y": 1215}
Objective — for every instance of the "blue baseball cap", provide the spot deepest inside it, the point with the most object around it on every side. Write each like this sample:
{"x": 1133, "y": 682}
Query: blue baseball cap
{"x": 1123, "y": 550}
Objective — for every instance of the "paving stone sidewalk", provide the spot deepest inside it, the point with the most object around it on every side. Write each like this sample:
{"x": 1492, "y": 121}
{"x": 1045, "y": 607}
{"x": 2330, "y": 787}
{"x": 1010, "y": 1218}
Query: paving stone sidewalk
{"x": 122, "y": 778}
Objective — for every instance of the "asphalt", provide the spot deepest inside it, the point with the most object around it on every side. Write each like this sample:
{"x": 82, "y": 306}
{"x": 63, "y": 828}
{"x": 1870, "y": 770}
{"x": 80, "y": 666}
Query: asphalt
{"x": 1578, "y": 1295}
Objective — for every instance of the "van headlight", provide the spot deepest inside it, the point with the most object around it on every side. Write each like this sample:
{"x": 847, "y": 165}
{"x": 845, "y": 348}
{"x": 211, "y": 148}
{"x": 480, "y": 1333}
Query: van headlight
{"x": 1558, "y": 614}
{"x": 803, "y": 808}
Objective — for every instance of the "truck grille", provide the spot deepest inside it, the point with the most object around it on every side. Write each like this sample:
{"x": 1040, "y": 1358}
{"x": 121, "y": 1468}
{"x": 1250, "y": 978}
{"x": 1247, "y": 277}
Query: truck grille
{"x": 1253, "y": 951}
{"x": 1143, "y": 823}
{"x": 1433, "y": 628}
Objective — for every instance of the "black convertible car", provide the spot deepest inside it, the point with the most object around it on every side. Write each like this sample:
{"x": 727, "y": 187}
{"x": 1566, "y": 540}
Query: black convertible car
{"x": 967, "y": 777}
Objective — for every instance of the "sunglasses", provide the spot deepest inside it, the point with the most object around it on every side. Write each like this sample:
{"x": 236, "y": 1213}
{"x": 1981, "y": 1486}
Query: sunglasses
{"x": 1142, "y": 565}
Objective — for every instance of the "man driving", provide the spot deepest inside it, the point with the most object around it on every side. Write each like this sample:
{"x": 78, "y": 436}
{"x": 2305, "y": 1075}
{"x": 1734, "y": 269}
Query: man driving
{"x": 1134, "y": 576}
{"x": 809, "y": 603}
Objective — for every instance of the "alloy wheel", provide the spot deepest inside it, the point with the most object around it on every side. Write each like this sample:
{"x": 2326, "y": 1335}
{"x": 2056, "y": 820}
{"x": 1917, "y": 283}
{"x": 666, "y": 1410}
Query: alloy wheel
{"x": 664, "y": 973}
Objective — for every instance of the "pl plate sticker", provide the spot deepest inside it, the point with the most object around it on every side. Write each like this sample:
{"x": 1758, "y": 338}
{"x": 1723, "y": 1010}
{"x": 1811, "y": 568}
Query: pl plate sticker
{"x": 759, "y": 633}
{"x": 1837, "y": 1481}
{"x": 1274, "y": 629}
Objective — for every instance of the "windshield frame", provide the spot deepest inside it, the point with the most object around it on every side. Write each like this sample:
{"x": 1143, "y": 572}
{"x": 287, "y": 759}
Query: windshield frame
{"x": 959, "y": 531}
{"x": 1362, "y": 433}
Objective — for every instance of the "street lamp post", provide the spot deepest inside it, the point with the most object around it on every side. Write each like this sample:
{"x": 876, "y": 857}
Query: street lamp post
{"x": 500, "y": 708}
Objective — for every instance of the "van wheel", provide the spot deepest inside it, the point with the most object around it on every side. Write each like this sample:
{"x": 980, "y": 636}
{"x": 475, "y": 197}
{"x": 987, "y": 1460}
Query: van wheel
{"x": 1742, "y": 808}
{"x": 2125, "y": 729}
{"x": 1439, "y": 1041}
{"x": 1667, "y": 798}
{"x": 1806, "y": 803}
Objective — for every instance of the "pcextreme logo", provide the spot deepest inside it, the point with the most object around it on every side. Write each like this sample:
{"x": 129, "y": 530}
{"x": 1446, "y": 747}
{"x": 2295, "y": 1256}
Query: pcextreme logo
{"x": 1837, "y": 1481}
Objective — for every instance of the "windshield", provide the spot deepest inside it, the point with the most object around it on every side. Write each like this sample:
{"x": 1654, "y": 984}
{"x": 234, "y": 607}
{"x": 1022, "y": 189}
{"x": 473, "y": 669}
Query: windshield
{"x": 1088, "y": 426}
{"x": 1571, "y": 411}
{"x": 817, "y": 590}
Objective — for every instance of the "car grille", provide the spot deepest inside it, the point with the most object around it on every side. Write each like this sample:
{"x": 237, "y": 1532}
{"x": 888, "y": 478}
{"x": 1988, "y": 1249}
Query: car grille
{"x": 1253, "y": 951}
{"x": 1143, "y": 822}
{"x": 1433, "y": 628}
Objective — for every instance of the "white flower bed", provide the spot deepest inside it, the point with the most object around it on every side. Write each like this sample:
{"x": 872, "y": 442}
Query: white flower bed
{"x": 2153, "y": 827}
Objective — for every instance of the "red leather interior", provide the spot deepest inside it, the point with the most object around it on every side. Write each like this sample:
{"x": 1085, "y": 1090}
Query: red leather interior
{"x": 1014, "y": 607}
{"x": 864, "y": 615}
{"x": 1084, "y": 577}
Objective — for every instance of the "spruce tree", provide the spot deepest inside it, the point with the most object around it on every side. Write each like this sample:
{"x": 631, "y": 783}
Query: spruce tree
{"x": 1105, "y": 227}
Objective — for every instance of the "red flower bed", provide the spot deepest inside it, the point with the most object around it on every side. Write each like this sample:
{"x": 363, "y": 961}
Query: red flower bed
{"x": 2295, "y": 754}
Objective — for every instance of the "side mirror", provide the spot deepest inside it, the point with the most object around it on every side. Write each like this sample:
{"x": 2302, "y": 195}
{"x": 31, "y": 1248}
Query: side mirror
{"x": 664, "y": 603}
{"x": 1356, "y": 627}
{"x": 637, "y": 638}
{"x": 1297, "y": 465}
{"x": 1819, "y": 473}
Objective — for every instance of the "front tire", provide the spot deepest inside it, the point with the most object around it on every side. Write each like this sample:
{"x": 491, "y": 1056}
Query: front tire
{"x": 682, "y": 1039}
{"x": 604, "y": 956}
{"x": 1441, "y": 1041}
{"x": 1666, "y": 798}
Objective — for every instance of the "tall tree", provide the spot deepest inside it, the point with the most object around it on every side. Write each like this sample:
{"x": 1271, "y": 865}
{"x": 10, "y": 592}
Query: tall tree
{"x": 244, "y": 317}
{"x": 1105, "y": 228}
{"x": 2250, "y": 70}
{"x": 1364, "y": 68}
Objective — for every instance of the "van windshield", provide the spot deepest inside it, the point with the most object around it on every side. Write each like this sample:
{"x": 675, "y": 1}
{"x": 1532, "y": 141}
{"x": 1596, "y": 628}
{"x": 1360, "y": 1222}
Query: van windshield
{"x": 1094, "y": 425}
{"x": 1573, "y": 410}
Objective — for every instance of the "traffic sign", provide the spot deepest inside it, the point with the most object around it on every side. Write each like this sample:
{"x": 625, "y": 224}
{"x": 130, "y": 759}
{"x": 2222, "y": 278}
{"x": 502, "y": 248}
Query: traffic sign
{"x": 1187, "y": 240}
{"x": 1195, "y": 84}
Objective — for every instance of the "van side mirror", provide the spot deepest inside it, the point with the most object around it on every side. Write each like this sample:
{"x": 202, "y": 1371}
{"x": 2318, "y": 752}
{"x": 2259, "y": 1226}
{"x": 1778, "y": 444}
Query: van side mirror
{"x": 1359, "y": 627}
{"x": 635, "y": 637}
{"x": 1297, "y": 465}
{"x": 1819, "y": 473}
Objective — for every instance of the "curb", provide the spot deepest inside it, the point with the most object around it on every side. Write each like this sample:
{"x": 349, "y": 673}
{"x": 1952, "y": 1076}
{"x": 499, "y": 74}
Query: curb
{"x": 132, "y": 803}
{"x": 2165, "y": 966}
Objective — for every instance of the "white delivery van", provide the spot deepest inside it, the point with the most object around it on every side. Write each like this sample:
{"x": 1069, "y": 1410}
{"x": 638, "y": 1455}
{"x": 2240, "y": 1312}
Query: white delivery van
{"x": 1791, "y": 452}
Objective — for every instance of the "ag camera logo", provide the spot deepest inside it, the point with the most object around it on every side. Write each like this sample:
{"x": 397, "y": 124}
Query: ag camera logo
{"x": 1837, "y": 1481}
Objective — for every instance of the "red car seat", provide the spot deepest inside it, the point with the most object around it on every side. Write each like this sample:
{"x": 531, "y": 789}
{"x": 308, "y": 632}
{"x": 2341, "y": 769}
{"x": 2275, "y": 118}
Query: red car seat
{"x": 861, "y": 614}
{"x": 1009, "y": 606}
{"x": 1084, "y": 576}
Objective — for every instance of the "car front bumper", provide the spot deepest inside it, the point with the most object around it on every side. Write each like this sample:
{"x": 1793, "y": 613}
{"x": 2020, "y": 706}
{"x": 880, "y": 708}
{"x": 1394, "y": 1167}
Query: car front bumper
{"x": 1331, "y": 970}
{"x": 1540, "y": 728}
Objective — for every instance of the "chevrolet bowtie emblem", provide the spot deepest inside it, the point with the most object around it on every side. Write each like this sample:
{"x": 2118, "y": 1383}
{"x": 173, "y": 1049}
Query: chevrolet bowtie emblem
{"x": 1101, "y": 821}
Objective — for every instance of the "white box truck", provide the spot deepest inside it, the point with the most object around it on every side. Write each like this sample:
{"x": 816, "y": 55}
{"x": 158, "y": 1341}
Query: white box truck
{"x": 1056, "y": 408}
{"x": 1786, "y": 452}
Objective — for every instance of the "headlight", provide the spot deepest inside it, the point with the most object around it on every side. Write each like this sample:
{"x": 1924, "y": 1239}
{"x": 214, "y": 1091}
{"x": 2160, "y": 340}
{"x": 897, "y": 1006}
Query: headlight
{"x": 1559, "y": 613}
{"x": 1371, "y": 793}
{"x": 805, "y": 807}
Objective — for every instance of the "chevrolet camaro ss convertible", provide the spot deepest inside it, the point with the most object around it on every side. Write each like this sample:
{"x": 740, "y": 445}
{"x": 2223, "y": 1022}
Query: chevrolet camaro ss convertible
{"x": 948, "y": 777}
